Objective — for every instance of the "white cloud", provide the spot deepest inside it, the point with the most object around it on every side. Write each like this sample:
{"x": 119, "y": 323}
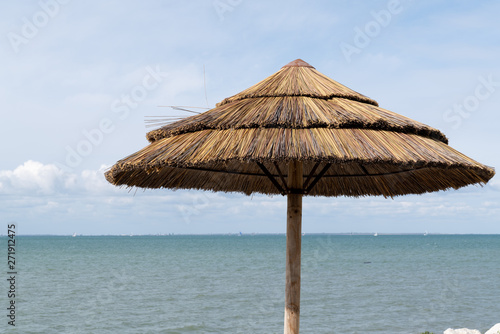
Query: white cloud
{"x": 35, "y": 178}
{"x": 31, "y": 178}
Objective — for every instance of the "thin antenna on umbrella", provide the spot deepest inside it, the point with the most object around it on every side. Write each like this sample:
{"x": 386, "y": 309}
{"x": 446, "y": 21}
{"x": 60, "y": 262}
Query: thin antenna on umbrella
{"x": 183, "y": 108}
{"x": 152, "y": 121}
{"x": 158, "y": 121}
{"x": 205, "y": 85}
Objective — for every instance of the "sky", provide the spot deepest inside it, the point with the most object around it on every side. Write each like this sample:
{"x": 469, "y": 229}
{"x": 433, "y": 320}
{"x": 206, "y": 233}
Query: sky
{"x": 78, "y": 80}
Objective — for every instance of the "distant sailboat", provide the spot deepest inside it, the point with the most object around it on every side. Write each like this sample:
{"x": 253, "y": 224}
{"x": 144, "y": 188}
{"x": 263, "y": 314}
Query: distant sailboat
{"x": 376, "y": 234}
{"x": 74, "y": 234}
{"x": 425, "y": 233}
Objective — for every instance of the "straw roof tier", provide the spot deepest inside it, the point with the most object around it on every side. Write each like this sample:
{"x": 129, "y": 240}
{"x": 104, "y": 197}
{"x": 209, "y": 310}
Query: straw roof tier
{"x": 348, "y": 145}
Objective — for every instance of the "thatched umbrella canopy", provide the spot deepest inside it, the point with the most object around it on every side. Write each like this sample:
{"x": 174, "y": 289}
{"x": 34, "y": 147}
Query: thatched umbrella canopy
{"x": 299, "y": 133}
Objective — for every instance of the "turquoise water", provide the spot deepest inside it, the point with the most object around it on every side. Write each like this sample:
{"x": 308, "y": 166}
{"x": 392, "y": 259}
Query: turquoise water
{"x": 232, "y": 284}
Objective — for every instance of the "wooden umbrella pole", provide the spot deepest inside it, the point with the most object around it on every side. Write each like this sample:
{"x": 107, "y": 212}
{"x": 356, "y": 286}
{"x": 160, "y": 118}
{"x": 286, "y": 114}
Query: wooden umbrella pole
{"x": 293, "y": 243}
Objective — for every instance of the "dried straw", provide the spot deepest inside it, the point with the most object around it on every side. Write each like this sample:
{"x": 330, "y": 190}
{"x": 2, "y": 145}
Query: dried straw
{"x": 299, "y": 114}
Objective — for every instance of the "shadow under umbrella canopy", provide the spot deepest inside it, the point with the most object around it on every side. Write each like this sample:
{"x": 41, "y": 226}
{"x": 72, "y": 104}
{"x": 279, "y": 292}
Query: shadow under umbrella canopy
{"x": 299, "y": 133}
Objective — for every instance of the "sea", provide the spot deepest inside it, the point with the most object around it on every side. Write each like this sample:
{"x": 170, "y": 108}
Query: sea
{"x": 387, "y": 284}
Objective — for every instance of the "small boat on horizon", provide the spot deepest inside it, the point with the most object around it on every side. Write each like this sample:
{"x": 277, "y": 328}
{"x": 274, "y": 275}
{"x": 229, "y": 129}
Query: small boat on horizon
{"x": 376, "y": 234}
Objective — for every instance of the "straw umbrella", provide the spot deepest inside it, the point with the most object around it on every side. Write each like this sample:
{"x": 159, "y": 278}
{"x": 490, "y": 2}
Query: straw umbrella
{"x": 299, "y": 133}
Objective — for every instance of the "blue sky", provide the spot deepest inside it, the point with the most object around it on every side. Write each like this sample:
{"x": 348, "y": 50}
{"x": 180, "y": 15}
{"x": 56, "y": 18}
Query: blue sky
{"x": 78, "y": 79}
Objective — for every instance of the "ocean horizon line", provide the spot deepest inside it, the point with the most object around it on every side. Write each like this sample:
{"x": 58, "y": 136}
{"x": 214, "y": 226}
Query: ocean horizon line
{"x": 250, "y": 234}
